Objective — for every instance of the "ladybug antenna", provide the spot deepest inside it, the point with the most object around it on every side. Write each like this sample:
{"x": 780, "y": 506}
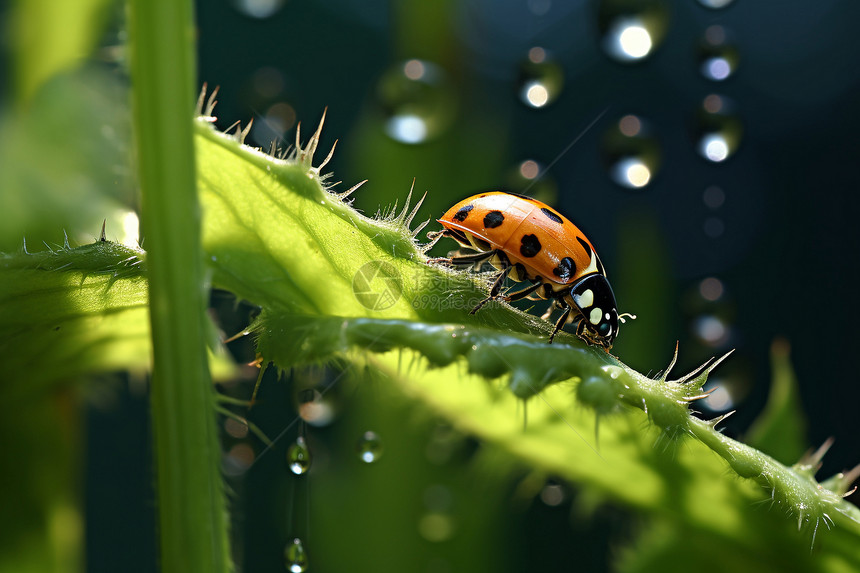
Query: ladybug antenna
{"x": 627, "y": 314}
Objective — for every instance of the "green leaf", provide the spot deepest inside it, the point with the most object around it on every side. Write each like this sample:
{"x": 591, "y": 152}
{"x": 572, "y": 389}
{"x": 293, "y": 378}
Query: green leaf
{"x": 780, "y": 429}
{"x": 70, "y": 312}
{"x": 80, "y": 121}
{"x": 49, "y": 37}
{"x": 279, "y": 238}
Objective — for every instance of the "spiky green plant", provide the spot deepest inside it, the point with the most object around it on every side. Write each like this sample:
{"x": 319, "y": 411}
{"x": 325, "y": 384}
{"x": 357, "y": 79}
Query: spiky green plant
{"x": 278, "y": 236}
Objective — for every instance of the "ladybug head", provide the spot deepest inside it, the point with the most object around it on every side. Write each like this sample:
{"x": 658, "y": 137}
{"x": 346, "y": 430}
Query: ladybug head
{"x": 594, "y": 298}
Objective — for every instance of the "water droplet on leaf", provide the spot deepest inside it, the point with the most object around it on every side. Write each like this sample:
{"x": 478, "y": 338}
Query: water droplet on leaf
{"x": 417, "y": 101}
{"x": 299, "y": 456}
{"x": 631, "y": 155}
{"x": 718, "y": 130}
{"x": 528, "y": 178}
{"x": 717, "y": 57}
{"x": 369, "y": 447}
{"x": 295, "y": 557}
{"x": 630, "y": 32}
{"x": 715, "y": 4}
{"x": 258, "y": 8}
{"x": 540, "y": 79}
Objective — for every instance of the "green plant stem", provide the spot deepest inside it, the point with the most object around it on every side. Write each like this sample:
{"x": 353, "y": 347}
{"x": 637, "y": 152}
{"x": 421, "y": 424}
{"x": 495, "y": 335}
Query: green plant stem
{"x": 192, "y": 509}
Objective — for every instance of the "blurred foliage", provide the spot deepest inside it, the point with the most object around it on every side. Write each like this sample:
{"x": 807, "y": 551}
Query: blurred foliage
{"x": 48, "y": 38}
{"x": 65, "y": 162}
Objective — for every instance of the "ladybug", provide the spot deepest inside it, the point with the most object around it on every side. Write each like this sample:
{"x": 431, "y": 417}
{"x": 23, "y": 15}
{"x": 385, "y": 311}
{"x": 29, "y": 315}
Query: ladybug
{"x": 527, "y": 240}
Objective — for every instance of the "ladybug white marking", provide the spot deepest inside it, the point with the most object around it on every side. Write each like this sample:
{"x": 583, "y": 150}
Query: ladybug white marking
{"x": 592, "y": 266}
{"x": 585, "y": 299}
{"x": 595, "y": 316}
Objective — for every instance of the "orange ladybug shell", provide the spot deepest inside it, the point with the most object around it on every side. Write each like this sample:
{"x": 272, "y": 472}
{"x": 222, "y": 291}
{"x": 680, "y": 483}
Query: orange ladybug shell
{"x": 529, "y": 232}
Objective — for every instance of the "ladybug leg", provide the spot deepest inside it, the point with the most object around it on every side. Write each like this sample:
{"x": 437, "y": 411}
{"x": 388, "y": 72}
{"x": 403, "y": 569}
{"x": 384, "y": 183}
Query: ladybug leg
{"x": 495, "y": 290}
{"x": 560, "y": 322}
{"x": 522, "y": 293}
{"x": 466, "y": 259}
{"x": 549, "y": 310}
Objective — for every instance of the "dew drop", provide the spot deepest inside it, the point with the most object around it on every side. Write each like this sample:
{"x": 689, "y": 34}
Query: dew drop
{"x": 237, "y": 461}
{"x": 528, "y": 177}
{"x": 540, "y": 79}
{"x": 715, "y": 4}
{"x": 718, "y": 131}
{"x": 553, "y": 494}
{"x": 315, "y": 408}
{"x": 299, "y": 456}
{"x": 369, "y": 447}
{"x": 717, "y": 57}
{"x": 280, "y": 117}
{"x": 295, "y": 556}
{"x": 416, "y": 100}
{"x": 614, "y": 372}
{"x": 631, "y": 155}
{"x": 711, "y": 289}
{"x": 711, "y": 330}
{"x": 720, "y": 399}
{"x": 236, "y": 428}
{"x": 258, "y": 8}
{"x": 631, "y": 31}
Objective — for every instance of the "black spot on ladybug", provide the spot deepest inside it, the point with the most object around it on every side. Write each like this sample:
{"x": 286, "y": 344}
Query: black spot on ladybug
{"x": 565, "y": 269}
{"x": 493, "y": 219}
{"x": 461, "y": 215}
{"x": 552, "y": 215}
{"x": 530, "y": 246}
{"x": 585, "y": 245}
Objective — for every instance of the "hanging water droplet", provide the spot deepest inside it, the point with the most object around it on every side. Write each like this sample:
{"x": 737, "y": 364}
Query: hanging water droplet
{"x": 237, "y": 461}
{"x": 540, "y": 79}
{"x": 632, "y": 156}
{"x": 369, "y": 447}
{"x": 258, "y": 8}
{"x": 711, "y": 289}
{"x": 715, "y": 4}
{"x": 528, "y": 177}
{"x": 236, "y": 428}
{"x": 711, "y": 330}
{"x": 711, "y": 312}
{"x": 719, "y": 399}
{"x": 629, "y": 31}
{"x": 553, "y": 494}
{"x": 718, "y": 58}
{"x": 299, "y": 456}
{"x": 295, "y": 557}
{"x": 315, "y": 408}
{"x": 417, "y": 101}
{"x": 718, "y": 131}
